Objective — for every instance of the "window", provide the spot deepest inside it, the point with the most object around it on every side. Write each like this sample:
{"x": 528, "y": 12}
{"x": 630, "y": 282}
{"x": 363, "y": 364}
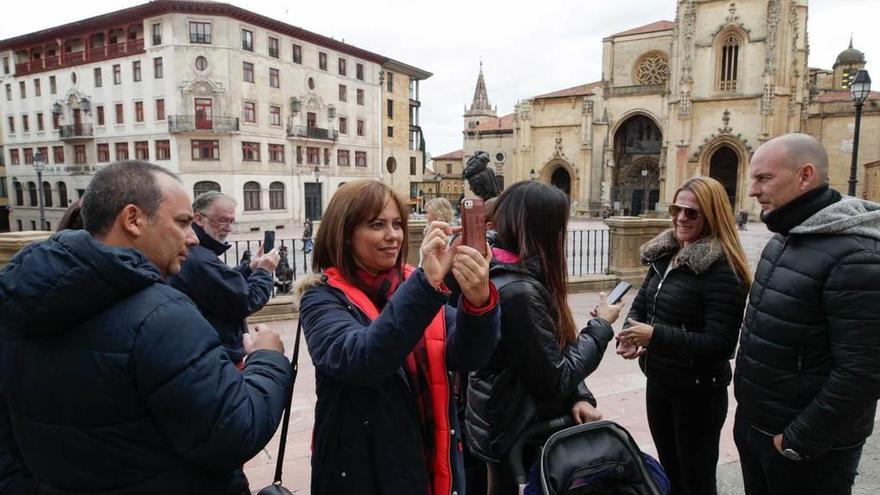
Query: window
{"x": 121, "y": 151}
{"x": 274, "y": 78}
{"x": 343, "y": 93}
{"x": 99, "y": 114}
{"x": 25, "y": 124}
{"x": 276, "y": 196}
{"x": 56, "y": 120}
{"x": 120, "y": 116}
{"x": 311, "y": 119}
{"x": 248, "y": 71}
{"x": 359, "y": 71}
{"x": 103, "y": 152}
{"x": 313, "y": 155}
{"x": 252, "y": 196}
{"x": 136, "y": 70}
{"x": 6, "y": 65}
{"x": 205, "y": 149}
{"x": 163, "y": 149}
{"x": 204, "y": 186}
{"x": 37, "y": 91}
{"x": 158, "y": 70}
{"x": 200, "y": 32}
{"x": 250, "y": 152}
{"x": 160, "y": 109}
{"x": 32, "y": 194}
{"x": 9, "y": 92}
{"x": 138, "y": 111}
{"x": 299, "y": 155}
{"x": 22, "y": 89}
{"x": 729, "y": 64}
{"x": 342, "y": 158}
{"x": 97, "y": 74}
{"x": 343, "y": 125}
{"x": 58, "y": 155}
{"x": 297, "y": 54}
{"x": 157, "y": 34}
{"x": 62, "y": 194}
{"x": 412, "y": 165}
{"x": 322, "y": 60}
{"x": 53, "y": 88}
{"x": 247, "y": 40}
{"x": 390, "y": 131}
{"x": 360, "y": 158}
{"x": 117, "y": 74}
{"x": 47, "y": 194}
{"x": 14, "y": 158}
{"x": 273, "y": 47}
{"x": 11, "y": 124}
{"x": 142, "y": 150}
{"x": 276, "y": 153}
{"x": 44, "y": 151}
{"x": 79, "y": 154}
{"x": 19, "y": 196}
{"x": 390, "y": 109}
{"x": 389, "y": 81}
{"x": 201, "y": 63}
{"x": 360, "y": 127}
{"x": 326, "y": 156}
{"x": 342, "y": 67}
{"x": 274, "y": 115}
{"x": 40, "y": 126}
{"x": 250, "y": 112}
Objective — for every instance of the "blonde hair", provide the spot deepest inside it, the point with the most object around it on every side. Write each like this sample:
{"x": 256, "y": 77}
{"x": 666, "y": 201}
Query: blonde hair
{"x": 441, "y": 209}
{"x": 720, "y": 223}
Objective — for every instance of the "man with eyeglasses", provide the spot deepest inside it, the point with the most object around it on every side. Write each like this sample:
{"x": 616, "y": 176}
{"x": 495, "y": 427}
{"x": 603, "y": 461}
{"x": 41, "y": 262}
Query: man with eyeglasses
{"x": 225, "y": 295}
{"x": 807, "y": 372}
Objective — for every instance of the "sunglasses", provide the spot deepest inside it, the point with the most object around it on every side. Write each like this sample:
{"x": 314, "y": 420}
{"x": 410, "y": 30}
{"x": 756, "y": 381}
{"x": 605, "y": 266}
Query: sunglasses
{"x": 689, "y": 213}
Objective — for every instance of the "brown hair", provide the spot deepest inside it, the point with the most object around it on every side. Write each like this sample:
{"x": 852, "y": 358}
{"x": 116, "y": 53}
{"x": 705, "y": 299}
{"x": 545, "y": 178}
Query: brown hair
{"x": 719, "y": 222}
{"x": 354, "y": 203}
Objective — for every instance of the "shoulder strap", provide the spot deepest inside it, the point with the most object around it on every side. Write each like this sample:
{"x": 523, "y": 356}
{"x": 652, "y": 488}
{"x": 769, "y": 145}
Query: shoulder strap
{"x": 286, "y": 421}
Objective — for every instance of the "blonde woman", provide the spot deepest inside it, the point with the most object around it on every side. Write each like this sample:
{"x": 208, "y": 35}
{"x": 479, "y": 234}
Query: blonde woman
{"x": 683, "y": 327}
{"x": 439, "y": 210}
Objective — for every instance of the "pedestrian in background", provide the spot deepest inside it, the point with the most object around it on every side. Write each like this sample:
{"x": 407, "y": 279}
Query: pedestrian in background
{"x": 683, "y": 327}
{"x": 308, "y": 244}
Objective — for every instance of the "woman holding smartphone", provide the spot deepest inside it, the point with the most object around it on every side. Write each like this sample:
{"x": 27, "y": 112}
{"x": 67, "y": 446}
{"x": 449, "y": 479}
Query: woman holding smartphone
{"x": 683, "y": 327}
{"x": 538, "y": 370}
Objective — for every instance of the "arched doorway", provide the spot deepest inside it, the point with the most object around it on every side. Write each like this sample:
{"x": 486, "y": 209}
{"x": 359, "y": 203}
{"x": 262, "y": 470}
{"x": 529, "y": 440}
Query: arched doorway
{"x": 561, "y": 180}
{"x": 636, "y": 176}
{"x": 724, "y": 167}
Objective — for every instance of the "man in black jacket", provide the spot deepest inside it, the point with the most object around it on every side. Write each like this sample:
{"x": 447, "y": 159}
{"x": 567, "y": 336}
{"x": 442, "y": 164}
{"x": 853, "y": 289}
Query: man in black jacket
{"x": 807, "y": 373}
{"x": 111, "y": 381}
{"x": 224, "y": 295}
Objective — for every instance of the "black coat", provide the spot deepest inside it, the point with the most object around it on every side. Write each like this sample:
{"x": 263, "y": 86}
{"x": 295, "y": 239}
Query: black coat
{"x": 529, "y": 378}
{"x": 367, "y": 438}
{"x": 696, "y": 311}
{"x": 112, "y": 382}
{"x": 224, "y": 295}
{"x": 809, "y": 358}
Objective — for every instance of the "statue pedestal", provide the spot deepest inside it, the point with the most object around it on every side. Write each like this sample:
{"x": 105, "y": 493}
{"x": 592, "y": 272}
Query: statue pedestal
{"x": 627, "y": 235}
{"x": 13, "y": 242}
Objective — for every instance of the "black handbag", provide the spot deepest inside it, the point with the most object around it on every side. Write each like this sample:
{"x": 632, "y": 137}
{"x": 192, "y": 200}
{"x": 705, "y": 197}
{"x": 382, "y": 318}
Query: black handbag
{"x": 276, "y": 488}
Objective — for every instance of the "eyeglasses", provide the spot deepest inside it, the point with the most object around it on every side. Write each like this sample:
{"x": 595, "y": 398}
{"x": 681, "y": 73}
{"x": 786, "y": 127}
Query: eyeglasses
{"x": 224, "y": 222}
{"x": 689, "y": 213}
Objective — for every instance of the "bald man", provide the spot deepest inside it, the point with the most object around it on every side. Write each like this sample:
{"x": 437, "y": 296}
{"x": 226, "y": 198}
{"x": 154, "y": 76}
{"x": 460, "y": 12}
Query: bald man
{"x": 807, "y": 372}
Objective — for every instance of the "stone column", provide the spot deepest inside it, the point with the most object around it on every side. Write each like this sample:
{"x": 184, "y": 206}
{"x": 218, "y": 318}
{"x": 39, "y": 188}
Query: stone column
{"x": 627, "y": 235}
{"x": 13, "y": 242}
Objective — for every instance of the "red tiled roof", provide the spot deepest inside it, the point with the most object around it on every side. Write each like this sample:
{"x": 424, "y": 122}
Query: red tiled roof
{"x": 842, "y": 95}
{"x": 501, "y": 123}
{"x": 647, "y": 28}
{"x": 582, "y": 90}
{"x": 454, "y": 155}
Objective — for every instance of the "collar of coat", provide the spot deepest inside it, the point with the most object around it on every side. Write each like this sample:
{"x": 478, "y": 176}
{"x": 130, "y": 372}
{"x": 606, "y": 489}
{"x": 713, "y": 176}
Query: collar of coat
{"x": 208, "y": 242}
{"x": 697, "y": 256}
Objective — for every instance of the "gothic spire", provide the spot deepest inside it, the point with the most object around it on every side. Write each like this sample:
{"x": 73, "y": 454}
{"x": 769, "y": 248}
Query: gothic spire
{"x": 480, "y": 105}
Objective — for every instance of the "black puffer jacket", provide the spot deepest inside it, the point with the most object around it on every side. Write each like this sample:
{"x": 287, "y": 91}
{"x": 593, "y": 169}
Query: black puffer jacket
{"x": 696, "y": 311}
{"x": 528, "y": 379}
{"x": 808, "y": 361}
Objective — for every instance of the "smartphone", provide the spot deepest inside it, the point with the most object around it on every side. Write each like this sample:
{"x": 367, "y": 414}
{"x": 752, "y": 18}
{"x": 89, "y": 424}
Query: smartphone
{"x": 619, "y": 291}
{"x": 268, "y": 240}
{"x": 473, "y": 224}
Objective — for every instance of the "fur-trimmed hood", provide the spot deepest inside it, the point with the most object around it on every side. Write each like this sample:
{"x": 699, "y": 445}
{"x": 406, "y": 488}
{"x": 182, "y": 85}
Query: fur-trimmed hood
{"x": 305, "y": 283}
{"x": 698, "y": 256}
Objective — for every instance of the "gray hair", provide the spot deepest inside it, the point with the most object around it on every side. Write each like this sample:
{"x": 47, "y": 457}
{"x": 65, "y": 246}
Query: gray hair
{"x": 129, "y": 182}
{"x": 206, "y": 199}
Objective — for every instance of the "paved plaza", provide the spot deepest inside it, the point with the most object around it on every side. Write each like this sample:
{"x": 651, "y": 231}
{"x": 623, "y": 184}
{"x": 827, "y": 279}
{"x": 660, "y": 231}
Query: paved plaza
{"x": 618, "y": 385}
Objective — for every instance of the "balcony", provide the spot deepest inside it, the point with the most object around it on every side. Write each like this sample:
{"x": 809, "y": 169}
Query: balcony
{"x": 301, "y": 131}
{"x": 70, "y": 59}
{"x": 191, "y": 123}
{"x": 77, "y": 131}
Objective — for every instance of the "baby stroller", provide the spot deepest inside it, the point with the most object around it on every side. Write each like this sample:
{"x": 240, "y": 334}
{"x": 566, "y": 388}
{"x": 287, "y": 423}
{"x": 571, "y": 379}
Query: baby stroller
{"x": 592, "y": 458}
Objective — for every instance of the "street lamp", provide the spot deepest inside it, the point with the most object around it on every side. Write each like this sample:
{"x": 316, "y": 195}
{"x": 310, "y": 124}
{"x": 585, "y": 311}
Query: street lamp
{"x": 645, "y": 200}
{"x": 317, "y": 173}
{"x": 861, "y": 88}
{"x": 532, "y": 174}
{"x": 39, "y": 166}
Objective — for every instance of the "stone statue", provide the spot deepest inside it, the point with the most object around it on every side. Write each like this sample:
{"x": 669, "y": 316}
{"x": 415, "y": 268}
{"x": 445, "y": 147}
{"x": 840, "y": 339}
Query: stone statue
{"x": 480, "y": 177}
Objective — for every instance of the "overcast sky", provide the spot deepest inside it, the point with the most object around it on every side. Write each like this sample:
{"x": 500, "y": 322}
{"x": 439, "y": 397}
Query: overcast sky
{"x": 527, "y": 48}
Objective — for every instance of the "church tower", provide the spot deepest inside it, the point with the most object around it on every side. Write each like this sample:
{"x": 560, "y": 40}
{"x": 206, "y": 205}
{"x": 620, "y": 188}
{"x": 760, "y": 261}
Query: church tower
{"x": 847, "y": 65}
{"x": 480, "y": 109}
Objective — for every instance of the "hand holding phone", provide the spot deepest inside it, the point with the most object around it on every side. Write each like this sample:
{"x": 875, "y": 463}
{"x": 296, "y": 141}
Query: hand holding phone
{"x": 473, "y": 224}
{"x": 268, "y": 240}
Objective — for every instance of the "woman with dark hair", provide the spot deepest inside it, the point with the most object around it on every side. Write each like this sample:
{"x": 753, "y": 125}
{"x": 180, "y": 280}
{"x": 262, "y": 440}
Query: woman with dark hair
{"x": 382, "y": 338}
{"x": 537, "y": 371}
{"x": 683, "y": 327}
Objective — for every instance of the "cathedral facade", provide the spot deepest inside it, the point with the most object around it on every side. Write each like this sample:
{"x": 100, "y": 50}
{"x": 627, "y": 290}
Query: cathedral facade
{"x": 694, "y": 96}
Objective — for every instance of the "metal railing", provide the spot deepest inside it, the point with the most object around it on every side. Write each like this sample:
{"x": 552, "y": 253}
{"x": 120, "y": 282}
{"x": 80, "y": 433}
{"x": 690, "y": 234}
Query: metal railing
{"x": 587, "y": 252}
{"x": 312, "y": 132}
{"x": 74, "y": 131}
{"x": 300, "y": 262}
{"x": 193, "y": 123}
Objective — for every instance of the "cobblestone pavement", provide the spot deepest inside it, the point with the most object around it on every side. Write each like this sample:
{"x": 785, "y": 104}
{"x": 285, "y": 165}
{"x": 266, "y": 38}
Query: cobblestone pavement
{"x": 618, "y": 385}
